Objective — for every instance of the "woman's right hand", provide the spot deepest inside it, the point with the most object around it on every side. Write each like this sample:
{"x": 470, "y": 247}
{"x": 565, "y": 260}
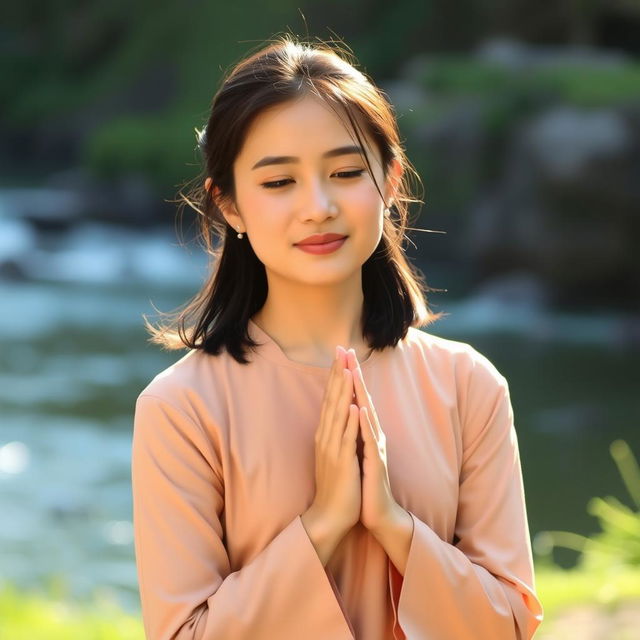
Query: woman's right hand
{"x": 338, "y": 487}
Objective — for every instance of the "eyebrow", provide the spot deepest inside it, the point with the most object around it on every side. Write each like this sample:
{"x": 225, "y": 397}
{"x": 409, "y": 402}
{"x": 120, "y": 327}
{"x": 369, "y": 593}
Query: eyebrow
{"x": 340, "y": 151}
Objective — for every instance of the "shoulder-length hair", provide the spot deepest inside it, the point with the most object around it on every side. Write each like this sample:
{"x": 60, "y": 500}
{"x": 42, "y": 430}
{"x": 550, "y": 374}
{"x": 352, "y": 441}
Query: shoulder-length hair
{"x": 236, "y": 287}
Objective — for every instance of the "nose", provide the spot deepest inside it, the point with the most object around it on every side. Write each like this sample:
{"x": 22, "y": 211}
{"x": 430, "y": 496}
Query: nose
{"x": 318, "y": 203}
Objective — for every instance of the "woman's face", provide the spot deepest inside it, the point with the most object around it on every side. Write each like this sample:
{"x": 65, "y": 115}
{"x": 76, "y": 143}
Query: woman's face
{"x": 307, "y": 192}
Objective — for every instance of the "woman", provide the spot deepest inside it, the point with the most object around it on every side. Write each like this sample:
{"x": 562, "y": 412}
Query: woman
{"x": 354, "y": 476}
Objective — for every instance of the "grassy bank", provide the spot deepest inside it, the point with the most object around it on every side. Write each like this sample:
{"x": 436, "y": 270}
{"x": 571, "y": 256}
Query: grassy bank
{"x": 563, "y": 592}
{"x": 30, "y": 615}
{"x": 598, "y": 599}
{"x": 589, "y": 605}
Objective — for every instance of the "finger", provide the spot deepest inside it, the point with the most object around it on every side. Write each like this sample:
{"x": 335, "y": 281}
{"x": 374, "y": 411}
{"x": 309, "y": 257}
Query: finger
{"x": 361, "y": 392}
{"x": 341, "y": 411}
{"x": 344, "y": 402}
{"x": 335, "y": 379}
{"x": 336, "y": 386}
{"x": 368, "y": 431}
{"x": 372, "y": 416}
{"x": 349, "y": 443}
{"x": 379, "y": 439}
{"x": 372, "y": 446}
{"x": 333, "y": 391}
{"x": 363, "y": 395}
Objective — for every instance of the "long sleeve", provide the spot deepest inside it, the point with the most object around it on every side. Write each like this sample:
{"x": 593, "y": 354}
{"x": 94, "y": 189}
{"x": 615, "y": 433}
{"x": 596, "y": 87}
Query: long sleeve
{"x": 187, "y": 589}
{"x": 482, "y": 586}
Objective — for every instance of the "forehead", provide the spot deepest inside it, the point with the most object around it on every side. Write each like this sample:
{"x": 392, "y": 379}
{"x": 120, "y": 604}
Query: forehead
{"x": 302, "y": 127}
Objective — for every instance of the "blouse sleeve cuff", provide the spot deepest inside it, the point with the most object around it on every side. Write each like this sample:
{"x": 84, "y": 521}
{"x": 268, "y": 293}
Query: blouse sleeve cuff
{"x": 461, "y": 591}
{"x": 331, "y": 612}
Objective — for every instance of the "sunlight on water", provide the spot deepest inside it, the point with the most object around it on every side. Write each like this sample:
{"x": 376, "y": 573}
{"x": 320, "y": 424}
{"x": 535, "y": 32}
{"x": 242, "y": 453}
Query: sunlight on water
{"x": 74, "y": 356}
{"x": 14, "y": 457}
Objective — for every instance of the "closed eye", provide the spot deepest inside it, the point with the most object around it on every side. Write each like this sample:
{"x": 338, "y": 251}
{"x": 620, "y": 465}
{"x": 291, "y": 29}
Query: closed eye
{"x": 281, "y": 183}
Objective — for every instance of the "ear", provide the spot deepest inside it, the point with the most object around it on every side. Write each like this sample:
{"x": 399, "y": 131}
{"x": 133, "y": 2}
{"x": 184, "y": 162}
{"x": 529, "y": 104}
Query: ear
{"x": 228, "y": 211}
{"x": 208, "y": 184}
{"x": 394, "y": 176}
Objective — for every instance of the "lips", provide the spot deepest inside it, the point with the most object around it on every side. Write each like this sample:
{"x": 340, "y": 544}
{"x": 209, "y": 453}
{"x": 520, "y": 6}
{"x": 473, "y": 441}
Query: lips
{"x": 323, "y": 248}
{"x": 321, "y": 238}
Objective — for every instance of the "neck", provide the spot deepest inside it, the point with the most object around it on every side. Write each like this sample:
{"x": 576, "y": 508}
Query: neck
{"x": 307, "y": 322}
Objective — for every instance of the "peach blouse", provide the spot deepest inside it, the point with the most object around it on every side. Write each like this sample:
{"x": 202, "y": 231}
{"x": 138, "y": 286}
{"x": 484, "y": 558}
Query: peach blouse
{"x": 223, "y": 466}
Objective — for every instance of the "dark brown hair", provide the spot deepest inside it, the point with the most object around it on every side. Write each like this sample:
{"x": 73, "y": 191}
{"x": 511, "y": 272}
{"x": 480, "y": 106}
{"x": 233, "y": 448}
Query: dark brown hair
{"x": 236, "y": 288}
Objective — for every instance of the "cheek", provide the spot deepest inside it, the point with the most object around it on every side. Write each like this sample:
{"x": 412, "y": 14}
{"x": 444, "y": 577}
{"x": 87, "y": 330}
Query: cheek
{"x": 366, "y": 193}
{"x": 269, "y": 233}
{"x": 263, "y": 215}
{"x": 367, "y": 208}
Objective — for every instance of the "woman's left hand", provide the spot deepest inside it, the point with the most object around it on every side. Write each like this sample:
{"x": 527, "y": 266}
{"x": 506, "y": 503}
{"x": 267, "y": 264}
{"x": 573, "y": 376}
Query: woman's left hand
{"x": 378, "y": 503}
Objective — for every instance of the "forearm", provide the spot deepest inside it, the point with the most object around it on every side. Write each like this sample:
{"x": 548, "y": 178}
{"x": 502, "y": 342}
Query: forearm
{"x": 395, "y": 537}
{"x": 324, "y": 537}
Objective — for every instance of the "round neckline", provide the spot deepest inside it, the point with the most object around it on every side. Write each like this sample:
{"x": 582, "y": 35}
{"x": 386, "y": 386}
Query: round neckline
{"x": 272, "y": 351}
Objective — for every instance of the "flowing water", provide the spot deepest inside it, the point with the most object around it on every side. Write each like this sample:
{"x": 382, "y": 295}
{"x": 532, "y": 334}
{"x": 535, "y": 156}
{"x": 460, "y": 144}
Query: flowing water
{"x": 74, "y": 356}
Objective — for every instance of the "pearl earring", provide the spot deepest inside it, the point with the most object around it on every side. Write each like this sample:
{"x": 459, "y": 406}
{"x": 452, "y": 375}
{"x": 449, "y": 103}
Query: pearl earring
{"x": 386, "y": 211}
{"x": 239, "y": 235}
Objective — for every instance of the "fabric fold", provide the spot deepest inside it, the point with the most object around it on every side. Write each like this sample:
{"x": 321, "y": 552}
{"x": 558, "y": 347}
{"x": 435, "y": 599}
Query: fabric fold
{"x": 187, "y": 588}
{"x": 223, "y": 460}
{"x": 481, "y": 588}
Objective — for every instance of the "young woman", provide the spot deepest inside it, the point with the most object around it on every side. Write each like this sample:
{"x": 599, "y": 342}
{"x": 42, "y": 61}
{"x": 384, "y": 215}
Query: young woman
{"x": 317, "y": 466}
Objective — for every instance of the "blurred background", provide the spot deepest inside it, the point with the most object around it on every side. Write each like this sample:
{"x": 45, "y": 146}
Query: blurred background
{"x": 523, "y": 121}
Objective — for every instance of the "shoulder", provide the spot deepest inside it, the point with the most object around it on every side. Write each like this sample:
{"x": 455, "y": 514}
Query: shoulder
{"x": 480, "y": 390}
{"x": 175, "y": 418}
{"x": 455, "y": 355}
{"x": 192, "y": 377}
{"x": 185, "y": 402}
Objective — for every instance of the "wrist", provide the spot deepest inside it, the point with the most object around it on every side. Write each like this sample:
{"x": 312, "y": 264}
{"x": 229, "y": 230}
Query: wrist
{"x": 395, "y": 518}
{"x": 323, "y": 534}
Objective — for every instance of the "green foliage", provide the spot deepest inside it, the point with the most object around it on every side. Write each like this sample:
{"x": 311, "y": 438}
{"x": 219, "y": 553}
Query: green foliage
{"x": 608, "y": 572}
{"x": 27, "y": 616}
{"x": 462, "y": 75}
{"x": 560, "y": 589}
{"x": 129, "y": 80}
{"x": 580, "y": 85}
{"x": 500, "y": 99}
{"x": 132, "y": 80}
{"x": 158, "y": 147}
{"x": 66, "y": 56}
{"x": 618, "y": 544}
{"x": 591, "y": 87}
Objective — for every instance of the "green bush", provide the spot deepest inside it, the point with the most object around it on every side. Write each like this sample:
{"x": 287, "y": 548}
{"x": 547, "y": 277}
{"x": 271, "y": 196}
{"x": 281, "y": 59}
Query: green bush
{"x": 618, "y": 544}
{"x": 161, "y": 148}
{"x": 580, "y": 85}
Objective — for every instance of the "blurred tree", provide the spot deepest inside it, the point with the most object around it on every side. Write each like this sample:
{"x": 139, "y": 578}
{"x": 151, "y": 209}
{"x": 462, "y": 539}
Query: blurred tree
{"x": 384, "y": 35}
{"x": 115, "y": 84}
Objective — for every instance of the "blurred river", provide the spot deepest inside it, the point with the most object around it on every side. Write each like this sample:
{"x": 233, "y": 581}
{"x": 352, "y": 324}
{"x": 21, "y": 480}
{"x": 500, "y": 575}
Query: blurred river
{"x": 74, "y": 356}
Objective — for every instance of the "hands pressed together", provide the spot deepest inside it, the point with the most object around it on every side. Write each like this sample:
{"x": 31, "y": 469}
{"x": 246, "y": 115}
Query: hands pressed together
{"x": 346, "y": 493}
